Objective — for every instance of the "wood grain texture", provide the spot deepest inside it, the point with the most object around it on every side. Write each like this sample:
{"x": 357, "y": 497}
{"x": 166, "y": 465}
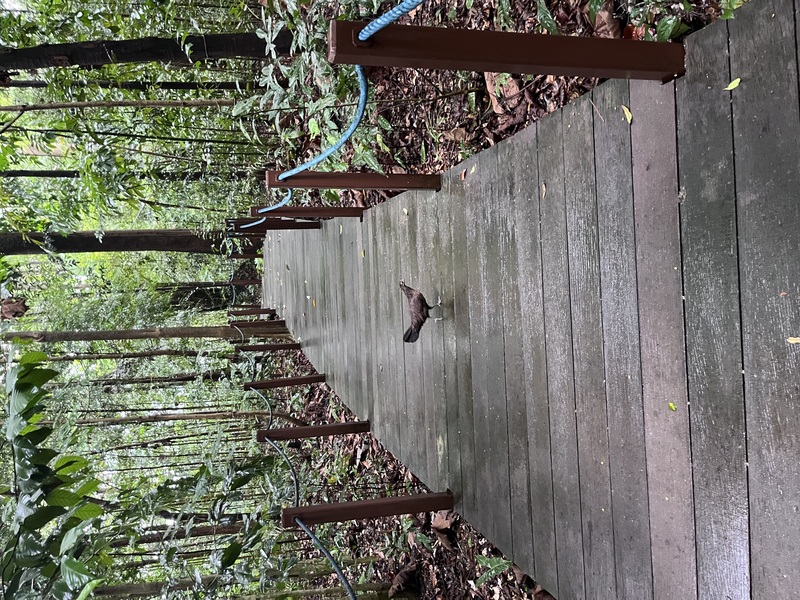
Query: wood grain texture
{"x": 713, "y": 327}
{"x": 558, "y": 344}
{"x": 492, "y": 289}
{"x": 587, "y": 344}
{"x": 466, "y": 503}
{"x": 620, "y": 306}
{"x": 766, "y": 130}
{"x": 661, "y": 335}
{"x": 516, "y": 400}
{"x": 529, "y": 269}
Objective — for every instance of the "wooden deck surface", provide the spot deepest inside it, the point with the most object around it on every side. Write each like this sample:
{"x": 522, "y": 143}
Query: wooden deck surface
{"x": 611, "y": 396}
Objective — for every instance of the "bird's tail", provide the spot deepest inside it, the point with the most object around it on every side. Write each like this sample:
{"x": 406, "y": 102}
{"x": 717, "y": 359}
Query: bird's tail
{"x": 411, "y": 335}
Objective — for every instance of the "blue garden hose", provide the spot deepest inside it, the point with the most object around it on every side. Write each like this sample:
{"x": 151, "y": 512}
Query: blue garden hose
{"x": 363, "y": 88}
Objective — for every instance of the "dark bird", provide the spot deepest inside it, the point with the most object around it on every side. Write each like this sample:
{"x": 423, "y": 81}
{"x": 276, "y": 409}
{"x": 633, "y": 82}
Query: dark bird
{"x": 418, "y": 308}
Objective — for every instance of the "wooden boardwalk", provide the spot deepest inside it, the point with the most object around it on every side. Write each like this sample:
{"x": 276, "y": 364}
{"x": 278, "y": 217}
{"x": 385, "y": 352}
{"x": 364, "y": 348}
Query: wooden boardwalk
{"x": 611, "y": 396}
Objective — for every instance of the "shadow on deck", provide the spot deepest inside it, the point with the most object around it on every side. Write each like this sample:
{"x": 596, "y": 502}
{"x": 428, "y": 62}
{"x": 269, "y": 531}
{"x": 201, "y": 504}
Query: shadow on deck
{"x": 612, "y": 396}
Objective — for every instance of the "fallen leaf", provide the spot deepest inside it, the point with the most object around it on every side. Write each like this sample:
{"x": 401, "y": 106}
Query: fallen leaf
{"x": 472, "y": 170}
{"x": 672, "y": 406}
{"x": 405, "y": 211}
{"x": 627, "y": 111}
{"x": 733, "y": 84}
{"x": 314, "y": 303}
{"x": 543, "y": 190}
{"x": 463, "y": 175}
{"x": 340, "y": 230}
{"x": 405, "y": 579}
{"x": 793, "y": 340}
{"x": 363, "y": 253}
{"x": 441, "y": 524}
{"x": 783, "y": 294}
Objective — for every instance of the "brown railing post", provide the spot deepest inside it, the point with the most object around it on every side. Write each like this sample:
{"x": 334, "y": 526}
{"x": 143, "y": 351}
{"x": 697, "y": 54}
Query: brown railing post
{"x": 299, "y": 433}
{"x": 367, "y": 509}
{"x": 244, "y": 312}
{"x": 359, "y": 181}
{"x": 410, "y": 46}
{"x": 234, "y": 226}
{"x": 309, "y": 212}
{"x": 268, "y": 384}
{"x": 258, "y": 324}
{"x": 266, "y": 347}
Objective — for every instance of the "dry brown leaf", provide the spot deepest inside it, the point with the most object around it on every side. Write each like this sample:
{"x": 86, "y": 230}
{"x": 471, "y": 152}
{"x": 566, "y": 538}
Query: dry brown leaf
{"x": 463, "y": 175}
{"x": 441, "y": 525}
{"x": 404, "y": 580}
{"x": 505, "y": 96}
{"x": 605, "y": 23}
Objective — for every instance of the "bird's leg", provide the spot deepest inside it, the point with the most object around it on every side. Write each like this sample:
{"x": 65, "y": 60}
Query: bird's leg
{"x": 439, "y": 304}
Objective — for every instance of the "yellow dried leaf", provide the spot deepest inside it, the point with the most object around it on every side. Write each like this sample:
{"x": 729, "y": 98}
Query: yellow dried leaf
{"x": 472, "y": 170}
{"x": 314, "y": 303}
{"x": 627, "y": 111}
{"x": 363, "y": 253}
{"x": 793, "y": 340}
{"x": 405, "y": 211}
{"x": 672, "y": 406}
{"x": 733, "y": 84}
{"x": 340, "y": 230}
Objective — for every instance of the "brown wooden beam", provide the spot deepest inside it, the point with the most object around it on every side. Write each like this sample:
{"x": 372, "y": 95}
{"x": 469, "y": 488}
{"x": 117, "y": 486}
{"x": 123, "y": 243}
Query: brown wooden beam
{"x": 266, "y": 347}
{"x": 236, "y": 225}
{"x": 244, "y": 312}
{"x": 309, "y": 212}
{"x": 410, "y": 46}
{"x": 367, "y": 509}
{"x": 258, "y": 324}
{"x": 299, "y": 433}
{"x": 245, "y": 282}
{"x": 359, "y": 181}
{"x": 269, "y": 384}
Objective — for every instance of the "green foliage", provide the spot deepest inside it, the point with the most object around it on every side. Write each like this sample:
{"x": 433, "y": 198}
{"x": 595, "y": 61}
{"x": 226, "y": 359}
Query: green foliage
{"x": 660, "y": 20}
{"x": 494, "y": 565}
{"x": 42, "y": 550}
{"x": 545, "y": 17}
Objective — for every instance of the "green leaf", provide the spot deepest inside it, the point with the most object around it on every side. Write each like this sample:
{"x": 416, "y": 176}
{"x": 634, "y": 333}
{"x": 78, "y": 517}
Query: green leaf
{"x": 71, "y": 539}
{"x": 37, "y": 377}
{"x": 245, "y": 106}
{"x": 733, "y": 84}
{"x": 594, "y": 6}
{"x": 87, "y": 590}
{"x": 230, "y": 554}
{"x": 32, "y": 357}
{"x": 37, "y": 435}
{"x": 545, "y": 17}
{"x": 87, "y": 487}
{"x": 70, "y": 463}
{"x": 495, "y": 564}
{"x": 75, "y": 574}
{"x": 672, "y": 406}
{"x": 59, "y": 497}
{"x": 43, "y": 456}
{"x": 90, "y": 510}
{"x": 665, "y": 28}
{"x": 313, "y": 127}
{"x": 43, "y": 516}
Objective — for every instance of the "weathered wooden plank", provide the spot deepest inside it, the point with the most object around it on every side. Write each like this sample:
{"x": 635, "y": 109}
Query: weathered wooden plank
{"x": 661, "y": 334}
{"x": 519, "y": 515}
{"x": 466, "y": 502}
{"x": 408, "y": 232}
{"x": 492, "y": 290}
{"x": 479, "y": 355}
{"x": 713, "y": 327}
{"x": 449, "y": 410}
{"x": 354, "y": 307}
{"x": 426, "y": 208}
{"x": 397, "y": 319}
{"x": 558, "y": 341}
{"x": 369, "y": 361}
{"x": 763, "y": 49}
{"x": 616, "y": 237}
{"x": 529, "y": 268}
{"x": 388, "y": 395}
{"x": 587, "y": 344}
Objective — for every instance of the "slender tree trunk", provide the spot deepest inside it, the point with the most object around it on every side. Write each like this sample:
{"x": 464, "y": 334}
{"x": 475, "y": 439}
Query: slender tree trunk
{"x": 151, "y": 49}
{"x": 207, "y": 416}
{"x": 120, "y": 104}
{"x": 177, "y": 378}
{"x": 221, "y": 331}
{"x": 125, "y": 355}
{"x": 163, "y": 240}
{"x": 140, "y": 85}
{"x": 161, "y": 175}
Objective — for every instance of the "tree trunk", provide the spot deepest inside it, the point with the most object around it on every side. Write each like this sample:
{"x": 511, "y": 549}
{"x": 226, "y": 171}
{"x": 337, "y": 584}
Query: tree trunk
{"x": 161, "y": 175}
{"x": 221, "y": 332}
{"x": 207, "y": 416}
{"x": 140, "y": 85}
{"x": 120, "y": 104}
{"x": 151, "y": 49}
{"x": 124, "y": 355}
{"x": 162, "y": 240}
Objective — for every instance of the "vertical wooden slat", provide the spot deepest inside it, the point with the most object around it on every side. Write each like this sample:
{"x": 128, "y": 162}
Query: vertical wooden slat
{"x": 587, "y": 343}
{"x": 766, "y": 129}
{"x": 560, "y": 383}
{"x": 658, "y": 263}
{"x": 623, "y": 387}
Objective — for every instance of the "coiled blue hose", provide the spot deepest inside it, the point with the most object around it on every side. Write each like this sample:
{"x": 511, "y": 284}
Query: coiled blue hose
{"x": 363, "y": 88}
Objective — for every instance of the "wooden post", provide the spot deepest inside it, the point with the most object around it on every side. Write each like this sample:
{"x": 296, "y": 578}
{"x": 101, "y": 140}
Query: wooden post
{"x": 299, "y": 433}
{"x": 235, "y": 226}
{"x": 269, "y": 384}
{"x": 244, "y": 312}
{"x": 359, "y": 181}
{"x": 309, "y": 212}
{"x": 367, "y": 509}
{"x": 266, "y": 347}
{"x": 245, "y": 282}
{"x": 259, "y": 324}
{"x": 410, "y": 46}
